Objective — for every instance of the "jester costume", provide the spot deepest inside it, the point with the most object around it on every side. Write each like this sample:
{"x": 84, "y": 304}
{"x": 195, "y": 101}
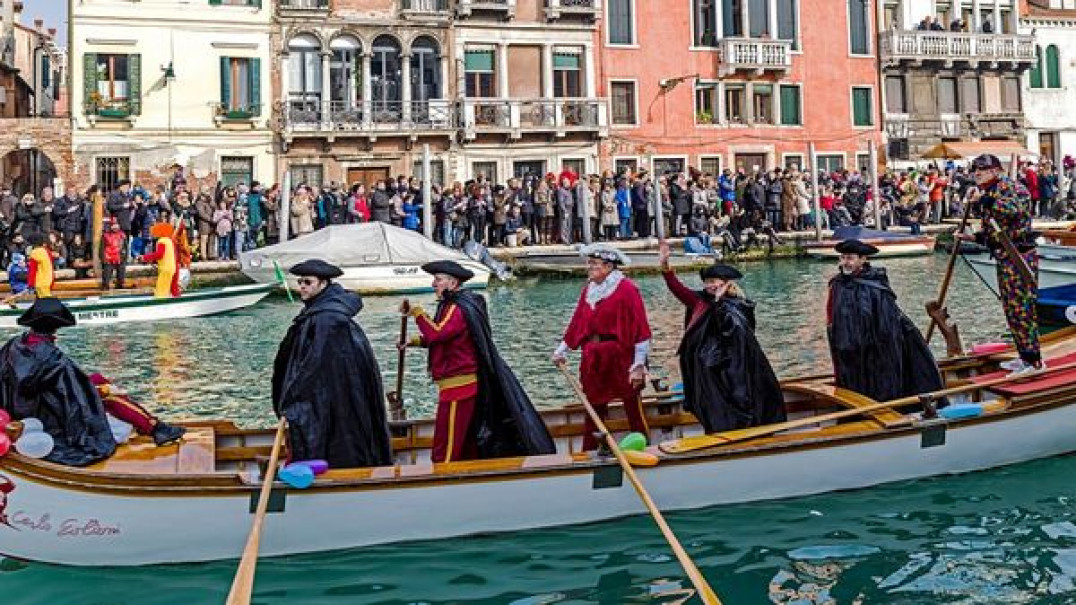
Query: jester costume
{"x": 167, "y": 259}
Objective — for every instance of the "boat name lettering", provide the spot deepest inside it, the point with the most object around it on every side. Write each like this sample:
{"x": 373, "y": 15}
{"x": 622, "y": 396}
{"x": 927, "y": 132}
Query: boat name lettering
{"x": 69, "y": 528}
{"x": 405, "y": 270}
{"x": 98, "y": 315}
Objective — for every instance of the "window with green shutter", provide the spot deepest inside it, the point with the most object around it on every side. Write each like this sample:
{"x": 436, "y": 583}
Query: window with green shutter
{"x": 1053, "y": 67}
{"x": 240, "y": 87}
{"x": 790, "y": 106}
{"x": 479, "y": 73}
{"x": 862, "y": 110}
{"x": 112, "y": 85}
{"x": 1036, "y": 70}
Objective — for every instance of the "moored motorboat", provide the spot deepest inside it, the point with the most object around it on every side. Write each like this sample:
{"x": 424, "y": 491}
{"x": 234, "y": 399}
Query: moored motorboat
{"x": 890, "y": 244}
{"x": 192, "y": 501}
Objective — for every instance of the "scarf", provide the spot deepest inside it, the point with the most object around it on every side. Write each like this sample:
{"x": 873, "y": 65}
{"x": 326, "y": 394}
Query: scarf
{"x": 598, "y": 292}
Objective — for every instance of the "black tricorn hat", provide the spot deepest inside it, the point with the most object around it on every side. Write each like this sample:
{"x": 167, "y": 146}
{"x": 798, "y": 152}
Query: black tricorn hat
{"x": 47, "y": 315}
{"x": 316, "y": 268}
{"x": 448, "y": 267}
{"x": 720, "y": 271}
{"x": 854, "y": 246}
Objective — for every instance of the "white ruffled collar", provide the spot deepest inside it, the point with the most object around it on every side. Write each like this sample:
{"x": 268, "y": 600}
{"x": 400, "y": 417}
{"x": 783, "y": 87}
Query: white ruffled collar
{"x": 598, "y": 292}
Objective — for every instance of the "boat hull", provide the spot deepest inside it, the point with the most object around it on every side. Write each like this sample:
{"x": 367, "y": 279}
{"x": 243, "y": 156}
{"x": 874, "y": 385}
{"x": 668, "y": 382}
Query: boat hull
{"x": 380, "y": 279}
{"x": 1052, "y": 274}
{"x": 889, "y": 248}
{"x": 52, "y": 521}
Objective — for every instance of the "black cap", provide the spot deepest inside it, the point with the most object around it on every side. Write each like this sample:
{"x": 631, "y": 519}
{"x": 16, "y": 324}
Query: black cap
{"x": 854, "y": 246}
{"x": 720, "y": 271}
{"x": 316, "y": 268}
{"x": 448, "y": 267}
{"x": 986, "y": 161}
{"x": 47, "y": 315}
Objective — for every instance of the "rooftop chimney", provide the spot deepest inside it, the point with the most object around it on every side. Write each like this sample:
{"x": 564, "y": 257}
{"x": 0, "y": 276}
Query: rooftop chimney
{"x": 39, "y": 24}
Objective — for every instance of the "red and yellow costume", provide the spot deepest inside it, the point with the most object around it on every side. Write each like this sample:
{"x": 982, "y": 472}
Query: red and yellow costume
{"x": 120, "y": 405}
{"x": 41, "y": 277}
{"x": 610, "y": 326}
{"x": 453, "y": 364}
{"x": 167, "y": 261}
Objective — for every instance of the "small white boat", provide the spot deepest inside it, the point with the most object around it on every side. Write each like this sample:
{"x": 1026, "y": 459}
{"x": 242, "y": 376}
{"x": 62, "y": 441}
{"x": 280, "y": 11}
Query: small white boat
{"x": 95, "y": 310}
{"x": 1057, "y": 267}
{"x": 376, "y": 258}
{"x": 890, "y": 244}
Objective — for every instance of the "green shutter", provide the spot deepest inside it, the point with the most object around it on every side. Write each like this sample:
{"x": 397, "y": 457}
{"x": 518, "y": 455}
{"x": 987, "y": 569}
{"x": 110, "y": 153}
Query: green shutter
{"x": 256, "y": 86}
{"x": 46, "y": 72}
{"x": 790, "y": 106}
{"x": 1036, "y": 70}
{"x": 1053, "y": 67}
{"x": 256, "y": 3}
{"x": 225, "y": 83}
{"x": 565, "y": 61}
{"x": 478, "y": 60}
{"x": 134, "y": 76}
{"x": 861, "y": 107}
{"x": 214, "y": 2}
{"x": 89, "y": 81}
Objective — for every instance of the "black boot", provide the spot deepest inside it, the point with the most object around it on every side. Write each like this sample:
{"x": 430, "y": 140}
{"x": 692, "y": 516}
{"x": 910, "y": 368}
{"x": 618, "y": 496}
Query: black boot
{"x": 164, "y": 434}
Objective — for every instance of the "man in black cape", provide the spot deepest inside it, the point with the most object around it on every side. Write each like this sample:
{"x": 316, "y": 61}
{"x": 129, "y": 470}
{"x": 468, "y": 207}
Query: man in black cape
{"x": 482, "y": 411}
{"x": 877, "y": 351}
{"x": 728, "y": 381}
{"x": 37, "y": 380}
{"x": 326, "y": 380}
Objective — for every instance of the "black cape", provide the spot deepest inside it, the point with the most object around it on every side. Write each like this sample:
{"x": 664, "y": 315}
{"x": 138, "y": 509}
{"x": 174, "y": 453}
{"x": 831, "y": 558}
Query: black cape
{"x": 728, "y": 382}
{"x": 877, "y": 351}
{"x": 327, "y": 383}
{"x": 40, "y": 381}
{"x": 505, "y": 421}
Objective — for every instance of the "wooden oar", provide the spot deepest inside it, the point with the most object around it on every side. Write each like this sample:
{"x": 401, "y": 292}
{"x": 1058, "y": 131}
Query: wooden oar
{"x": 243, "y": 584}
{"x": 1014, "y": 255}
{"x": 944, "y": 290}
{"x": 700, "y": 442}
{"x": 396, "y": 400}
{"x": 14, "y": 298}
{"x": 705, "y": 592}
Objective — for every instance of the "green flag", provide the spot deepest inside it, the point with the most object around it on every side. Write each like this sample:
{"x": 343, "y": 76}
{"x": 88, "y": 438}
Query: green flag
{"x": 283, "y": 280}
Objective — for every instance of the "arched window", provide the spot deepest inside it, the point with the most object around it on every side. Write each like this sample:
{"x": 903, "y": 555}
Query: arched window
{"x": 1036, "y": 69}
{"x": 1053, "y": 67}
{"x": 385, "y": 79}
{"x": 304, "y": 72}
{"x": 425, "y": 69}
{"x": 345, "y": 71}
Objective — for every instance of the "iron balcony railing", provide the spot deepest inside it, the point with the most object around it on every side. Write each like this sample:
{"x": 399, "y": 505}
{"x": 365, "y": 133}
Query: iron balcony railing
{"x": 313, "y": 115}
{"x": 432, "y": 7}
{"x": 304, "y": 4}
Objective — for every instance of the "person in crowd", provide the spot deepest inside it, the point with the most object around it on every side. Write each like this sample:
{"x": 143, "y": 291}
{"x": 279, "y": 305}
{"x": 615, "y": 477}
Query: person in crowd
{"x": 57, "y": 250}
{"x": 326, "y": 380}
{"x": 120, "y": 206}
{"x": 728, "y": 381}
{"x": 545, "y": 214}
{"x": 610, "y": 219}
{"x": 302, "y": 213}
{"x": 565, "y": 209}
{"x": 360, "y": 208}
{"x": 118, "y": 403}
{"x": 79, "y": 256}
{"x": 167, "y": 260}
{"x": 482, "y": 410}
{"x": 610, "y": 326}
{"x": 381, "y": 203}
{"x": 41, "y": 277}
{"x": 17, "y": 273}
{"x": 223, "y": 225}
{"x": 877, "y": 351}
{"x": 272, "y": 218}
{"x": 207, "y": 236}
{"x": 38, "y": 380}
{"x": 113, "y": 256}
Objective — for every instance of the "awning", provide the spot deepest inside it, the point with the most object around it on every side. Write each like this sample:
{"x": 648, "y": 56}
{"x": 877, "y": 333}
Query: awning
{"x": 960, "y": 150}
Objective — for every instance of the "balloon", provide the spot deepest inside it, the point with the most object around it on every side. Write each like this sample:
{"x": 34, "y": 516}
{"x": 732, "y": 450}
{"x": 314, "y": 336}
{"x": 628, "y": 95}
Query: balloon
{"x": 1070, "y": 313}
{"x": 32, "y": 425}
{"x": 35, "y": 445}
{"x": 5, "y": 419}
{"x": 299, "y": 476}
{"x": 5, "y": 444}
{"x": 121, "y": 431}
{"x": 633, "y": 442}
{"x": 637, "y": 458}
{"x": 318, "y": 466}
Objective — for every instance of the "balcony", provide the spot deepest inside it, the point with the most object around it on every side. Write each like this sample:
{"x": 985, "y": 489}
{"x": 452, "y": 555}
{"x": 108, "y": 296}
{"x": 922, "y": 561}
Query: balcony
{"x": 109, "y": 109}
{"x": 588, "y": 10}
{"x": 755, "y": 56}
{"x": 502, "y": 9}
{"x": 516, "y": 116}
{"x": 424, "y": 9}
{"x": 303, "y": 8}
{"x": 947, "y": 48}
{"x": 224, "y": 115}
{"x": 341, "y": 117}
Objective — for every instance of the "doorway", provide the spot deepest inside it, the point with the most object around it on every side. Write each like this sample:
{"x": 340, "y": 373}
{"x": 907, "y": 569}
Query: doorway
{"x": 750, "y": 162}
{"x": 367, "y": 175}
{"x": 527, "y": 168}
{"x": 1048, "y": 146}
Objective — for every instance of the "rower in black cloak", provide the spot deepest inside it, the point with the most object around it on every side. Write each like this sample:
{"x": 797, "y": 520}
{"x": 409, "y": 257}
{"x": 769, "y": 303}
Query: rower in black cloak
{"x": 728, "y": 381}
{"x": 38, "y": 380}
{"x": 326, "y": 380}
{"x": 877, "y": 351}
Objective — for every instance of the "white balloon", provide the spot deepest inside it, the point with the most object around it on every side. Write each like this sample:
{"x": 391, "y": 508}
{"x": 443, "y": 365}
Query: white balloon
{"x": 1070, "y": 313}
{"x": 121, "y": 431}
{"x": 35, "y": 445}
{"x": 32, "y": 425}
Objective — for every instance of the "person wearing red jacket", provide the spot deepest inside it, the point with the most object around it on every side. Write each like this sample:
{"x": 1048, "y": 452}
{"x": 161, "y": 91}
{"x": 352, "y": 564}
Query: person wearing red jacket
{"x": 113, "y": 256}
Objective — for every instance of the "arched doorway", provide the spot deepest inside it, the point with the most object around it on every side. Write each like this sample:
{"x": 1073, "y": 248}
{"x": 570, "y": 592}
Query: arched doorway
{"x": 27, "y": 171}
{"x": 385, "y": 80}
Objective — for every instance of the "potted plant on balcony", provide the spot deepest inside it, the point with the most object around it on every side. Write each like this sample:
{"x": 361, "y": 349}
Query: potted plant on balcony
{"x": 704, "y": 117}
{"x": 108, "y": 108}
{"x": 241, "y": 113}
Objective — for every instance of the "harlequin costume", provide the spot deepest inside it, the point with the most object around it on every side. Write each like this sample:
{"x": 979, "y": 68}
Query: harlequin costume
{"x": 482, "y": 410}
{"x": 41, "y": 277}
{"x": 610, "y": 327}
{"x": 167, "y": 261}
{"x": 120, "y": 405}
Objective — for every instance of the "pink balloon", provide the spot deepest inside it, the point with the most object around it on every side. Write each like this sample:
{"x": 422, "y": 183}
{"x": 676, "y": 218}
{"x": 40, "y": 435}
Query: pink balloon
{"x": 5, "y": 444}
{"x": 5, "y": 418}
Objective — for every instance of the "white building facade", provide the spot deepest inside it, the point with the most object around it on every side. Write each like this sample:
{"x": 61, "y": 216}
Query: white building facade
{"x": 1050, "y": 86}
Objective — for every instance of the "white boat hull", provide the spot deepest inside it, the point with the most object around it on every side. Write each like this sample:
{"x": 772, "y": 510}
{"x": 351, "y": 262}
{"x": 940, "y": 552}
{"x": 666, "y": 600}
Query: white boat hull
{"x": 92, "y": 528}
{"x": 884, "y": 250}
{"x": 1052, "y": 273}
{"x": 380, "y": 279}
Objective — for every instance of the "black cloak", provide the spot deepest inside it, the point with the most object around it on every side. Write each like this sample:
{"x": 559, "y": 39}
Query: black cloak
{"x": 728, "y": 382}
{"x": 327, "y": 383}
{"x": 42, "y": 382}
{"x": 505, "y": 421}
{"x": 877, "y": 351}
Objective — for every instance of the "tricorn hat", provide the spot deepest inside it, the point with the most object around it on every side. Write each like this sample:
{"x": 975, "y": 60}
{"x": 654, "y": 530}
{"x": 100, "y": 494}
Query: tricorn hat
{"x": 47, "y": 315}
{"x": 720, "y": 271}
{"x": 316, "y": 268}
{"x": 986, "y": 161}
{"x": 606, "y": 253}
{"x": 448, "y": 267}
{"x": 854, "y": 246}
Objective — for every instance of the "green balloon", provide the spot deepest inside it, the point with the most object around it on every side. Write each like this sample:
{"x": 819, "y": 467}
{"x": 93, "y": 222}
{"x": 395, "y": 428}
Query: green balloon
{"x": 633, "y": 442}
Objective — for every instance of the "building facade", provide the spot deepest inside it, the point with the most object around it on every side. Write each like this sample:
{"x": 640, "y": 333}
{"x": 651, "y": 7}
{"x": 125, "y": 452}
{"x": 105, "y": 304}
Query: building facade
{"x": 951, "y": 72}
{"x": 173, "y": 84}
{"x": 741, "y": 84}
{"x": 1050, "y": 85}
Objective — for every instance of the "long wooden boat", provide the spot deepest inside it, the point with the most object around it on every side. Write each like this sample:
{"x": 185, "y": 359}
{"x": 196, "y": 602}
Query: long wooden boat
{"x": 890, "y": 244}
{"x": 125, "y": 308}
{"x": 193, "y": 501}
{"x": 570, "y": 263}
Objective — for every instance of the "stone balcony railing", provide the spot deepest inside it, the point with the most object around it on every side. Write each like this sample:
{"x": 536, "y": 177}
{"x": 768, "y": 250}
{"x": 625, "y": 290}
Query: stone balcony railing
{"x": 558, "y": 9}
{"x": 516, "y": 116}
{"x": 303, "y": 7}
{"x": 314, "y": 117}
{"x": 757, "y": 56}
{"x": 949, "y": 47}
{"x": 505, "y": 9}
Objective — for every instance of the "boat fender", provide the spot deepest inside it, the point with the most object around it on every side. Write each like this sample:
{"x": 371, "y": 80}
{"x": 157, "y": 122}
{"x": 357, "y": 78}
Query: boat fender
{"x": 641, "y": 459}
{"x": 986, "y": 348}
{"x": 296, "y": 475}
{"x": 318, "y": 466}
{"x": 957, "y": 411}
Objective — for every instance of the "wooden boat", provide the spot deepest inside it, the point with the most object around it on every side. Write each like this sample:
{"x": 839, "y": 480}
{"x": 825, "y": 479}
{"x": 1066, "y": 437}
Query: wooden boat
{"x": 125, "y": 308}
{"x": 193, "y": 501}
{"x": 570, "y": 263}
{"x": 890, "y": 244}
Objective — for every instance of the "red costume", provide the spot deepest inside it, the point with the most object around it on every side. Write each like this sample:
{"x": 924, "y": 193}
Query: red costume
{"x": 608, "y": 333}
{"x": 160, "y": 253}
{"x": 122, "y": 407}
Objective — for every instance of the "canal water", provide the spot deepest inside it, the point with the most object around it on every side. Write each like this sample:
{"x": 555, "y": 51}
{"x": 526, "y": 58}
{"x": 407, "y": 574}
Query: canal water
{"x": 1003, "y": 536}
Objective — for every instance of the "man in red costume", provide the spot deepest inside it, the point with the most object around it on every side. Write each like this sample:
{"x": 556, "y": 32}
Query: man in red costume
{"x": 120, "y": 405}
{"x": 167, "y": 259}
{"x": 611, "y": 328}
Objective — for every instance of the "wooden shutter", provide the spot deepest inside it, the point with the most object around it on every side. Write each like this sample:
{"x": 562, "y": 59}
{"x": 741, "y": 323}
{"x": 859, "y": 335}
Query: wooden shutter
{"x": 214, "y": 2}
{"x": 1053, "y": 67}
{"x": 790, "y": 106}
{"x": 225, "y": 83}
{"x": 134, "y": 77}
{"x": 256, "y": 86}
{"x": 89, "y": 81}
{"x": 1036, "y": 70}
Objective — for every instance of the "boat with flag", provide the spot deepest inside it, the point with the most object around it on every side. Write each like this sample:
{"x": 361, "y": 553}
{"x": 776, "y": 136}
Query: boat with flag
{"x": 193, "y": 501}
{"x": 889, "y": 243}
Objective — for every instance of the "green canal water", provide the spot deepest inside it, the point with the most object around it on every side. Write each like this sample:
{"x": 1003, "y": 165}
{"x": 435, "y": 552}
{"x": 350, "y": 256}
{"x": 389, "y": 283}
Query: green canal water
{"x": 1003, "y": 536}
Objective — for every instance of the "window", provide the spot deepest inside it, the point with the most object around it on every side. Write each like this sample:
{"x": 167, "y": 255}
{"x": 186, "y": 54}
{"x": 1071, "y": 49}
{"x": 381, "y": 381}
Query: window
{"x": 625, "y": 166}
{"x": 706, "y": 103}
{"x": 946, "y": 95}
{"x": 304, "y": 74}
{"x": 567, "y": 75}
{"x": 479, "y": 73}
{"x": 312, "y": 175}
{"x": 763, "y": 103}
{"x": 758, "y": 18}
{"x": 669, "y": 165}
{"x": 240, "y": 87}
{"x": 830, "y": 163}
{"x": 859, "y": 26}
{"x": 862, "y": 107}
{"x": 1010, "y": 94}
{"x": 1036, "y": 70}
{"x": 113, "y": 84}
{"x": 735, "y": 104}
{"x": 710, "y": 165}
{"x": 1053, "y": 67}
{"x": 863, "y": 163}
{"x": 621, "y": 22}
{"x": 236, "y": 169}
{"x": 970, "y": 95}
{"x": 793, "y": 161}
{"x": 623, "y": 94}
{"x": 576, "y": 165}
{"x": 345, "y": 73}
{"x": 705, "y": 22}
{"x": 896, "y": 99}
{"x": 425, "y": 70}
{"x": 787, "y": 22}
{"x": 732, "y": 18}
{"x": 437, "y": 170}
{"x": 487, "y": 169}
{"x": 791, "y": 114}
{"x": 386, "y": 79}
{"x": 112, "y": 170}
